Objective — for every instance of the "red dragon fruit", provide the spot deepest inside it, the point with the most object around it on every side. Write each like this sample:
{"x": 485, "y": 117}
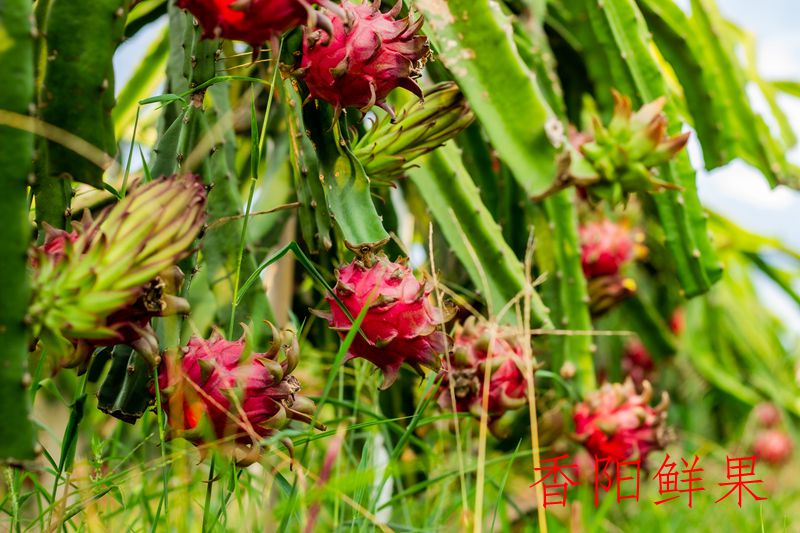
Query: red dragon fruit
{"x": 253, "y": 21}
{"x": 367, "y": 54}
{"x": 637, "y": 362}
{"x": 216, "y": 391}
{"x": 472, "y": 343}
{"x": 773, "y": 446}
{"x": 402, "y": 324}
{"x": 605, "y": 248}
{"x": 615, "y": 422}
{"x": 767, "y": 414}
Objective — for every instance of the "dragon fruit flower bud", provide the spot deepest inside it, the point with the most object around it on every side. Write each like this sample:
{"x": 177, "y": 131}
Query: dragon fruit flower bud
{"x": 617, "y": 423}
{"x": 254, "y": 21}
{"x": 402, "y": 324}
{"x": 105, "y": 276}
{"x": 621, "y": 157}
{"x": 366, "y": 55}
{"x": 216, "y": 391}
{"x": 473, "y": 343}
{"x": 773, "y": 446}
{"x": 390, "y": 146}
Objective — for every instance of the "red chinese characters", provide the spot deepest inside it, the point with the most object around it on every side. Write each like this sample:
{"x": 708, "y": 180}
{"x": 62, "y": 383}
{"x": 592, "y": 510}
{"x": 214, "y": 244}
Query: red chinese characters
{"x": 555, "y": 492}
{"x": 669, "y": 481}
{"x": 617, "y": 476}
{"x": 736, "y": 470}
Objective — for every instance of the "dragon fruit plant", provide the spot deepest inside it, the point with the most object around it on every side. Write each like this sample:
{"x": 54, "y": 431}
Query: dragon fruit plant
{"x": 479, "y": 347}
{"x": 402, "y": 325}
{"x": 255, "y": 21}
{"x": 102, "y": 283}
{"x": 617, "y": 423}
{"x": 637, "y": 363}
{"x": 216, "y": 390}
{"x": 366, "y": 55}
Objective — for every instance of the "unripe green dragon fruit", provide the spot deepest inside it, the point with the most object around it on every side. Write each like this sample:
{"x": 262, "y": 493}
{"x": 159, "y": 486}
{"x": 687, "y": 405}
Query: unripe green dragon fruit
{"x": 615, "y": 422}
{"x": 366, "y": 55}
{"x": 402, "y": 324}
{"x": 216, "y": 391}
{"x": 390, "y": 146}
{"x": 621, "y": 158}
{"x": 473, "y": 343}
{"x": 102, "y": 284}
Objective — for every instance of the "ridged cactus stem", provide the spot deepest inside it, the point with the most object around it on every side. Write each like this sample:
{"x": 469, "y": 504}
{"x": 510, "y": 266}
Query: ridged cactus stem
{"x": 456, "y": 203}
{"x": 559, "y": 254}
{"x": 17, "y": 433}
{"x": 78, "y": 90}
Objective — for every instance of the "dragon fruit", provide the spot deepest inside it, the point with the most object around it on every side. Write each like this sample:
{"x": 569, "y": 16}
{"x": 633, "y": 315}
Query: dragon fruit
{"x": 773, "y": 446}
{"x": 254, "y": 21}
{"x": 617, "y": 423}
{"x": 402, "y": 324}
{"x": 216, "y": 391}
{"x": 366, "y": 55}
{"x": 605, "y": 248}
{"x": 472, "y": 343}
{"x": 637, "y": 362}
{"x": 767, "y": 414}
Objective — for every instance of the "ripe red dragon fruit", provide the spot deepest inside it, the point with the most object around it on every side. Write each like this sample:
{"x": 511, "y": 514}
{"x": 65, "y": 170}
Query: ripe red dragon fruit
{"x": 217, "y": 391}
{"x": 605, "y": 248}
{"x": 767, "y": 414}
{"x": 617, "y": 423}
{"x": 637, "y": 362}
{"x": 402, "y": 324}
{"x": 367, "y": 54}
{"x": 253, "y": 21}
{"x": 773, "y": 446}
{"x": 472, "y": 343}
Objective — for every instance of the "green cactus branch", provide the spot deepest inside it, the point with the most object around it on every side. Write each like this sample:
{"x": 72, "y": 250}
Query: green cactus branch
{"x": 456, "y": 204}
{"x": 17, "y": 434}
{"x": 474, "y": 41}
{"x": 78, "y": 90}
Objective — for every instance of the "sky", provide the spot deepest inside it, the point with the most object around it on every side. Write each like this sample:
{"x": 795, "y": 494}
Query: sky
{"x": 739, "y": 192}
{"x": 736, "y": 191}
